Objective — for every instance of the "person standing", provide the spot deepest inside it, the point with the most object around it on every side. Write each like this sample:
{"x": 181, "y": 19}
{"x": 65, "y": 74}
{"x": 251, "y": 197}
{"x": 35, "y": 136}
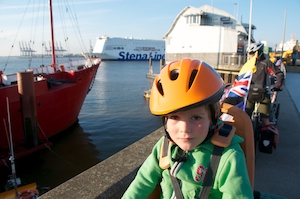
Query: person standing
{"x": 295, "y": 55}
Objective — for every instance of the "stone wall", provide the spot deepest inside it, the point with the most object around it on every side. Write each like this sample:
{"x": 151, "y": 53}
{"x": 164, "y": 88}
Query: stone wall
{"x": 109, "y": 178}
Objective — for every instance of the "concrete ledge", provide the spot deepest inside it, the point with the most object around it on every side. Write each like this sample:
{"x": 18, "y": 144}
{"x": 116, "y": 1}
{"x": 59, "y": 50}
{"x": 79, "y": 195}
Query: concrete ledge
{"x": 293, "y": 69}
{"x": 109, "y": 178}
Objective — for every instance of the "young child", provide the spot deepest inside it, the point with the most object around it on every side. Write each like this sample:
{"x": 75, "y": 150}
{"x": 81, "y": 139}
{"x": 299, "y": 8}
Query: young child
{"x": 186, "y": 94}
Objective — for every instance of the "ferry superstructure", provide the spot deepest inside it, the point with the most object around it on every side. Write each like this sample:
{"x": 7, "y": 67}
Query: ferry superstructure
{"x": 127, "y": 48}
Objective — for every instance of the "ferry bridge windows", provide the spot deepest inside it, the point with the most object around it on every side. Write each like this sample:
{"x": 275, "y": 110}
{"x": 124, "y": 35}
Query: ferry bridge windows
{"x": 118, "y": 48}
{"x": 114, "y": 48}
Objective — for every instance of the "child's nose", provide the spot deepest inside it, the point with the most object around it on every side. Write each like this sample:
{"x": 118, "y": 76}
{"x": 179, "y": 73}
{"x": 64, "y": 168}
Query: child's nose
{"x": 184, "y": 127}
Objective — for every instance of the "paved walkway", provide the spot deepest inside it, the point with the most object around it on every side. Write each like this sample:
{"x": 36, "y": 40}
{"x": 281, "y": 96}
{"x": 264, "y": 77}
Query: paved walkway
{"x": 278, "y": 173}
{"x": 293, "y": 86}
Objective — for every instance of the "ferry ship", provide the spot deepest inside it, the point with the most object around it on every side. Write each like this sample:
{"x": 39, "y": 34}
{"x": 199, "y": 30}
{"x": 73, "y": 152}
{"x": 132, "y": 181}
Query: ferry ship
{"x": 288, "y": 45}
{"x": 128, "y": 48}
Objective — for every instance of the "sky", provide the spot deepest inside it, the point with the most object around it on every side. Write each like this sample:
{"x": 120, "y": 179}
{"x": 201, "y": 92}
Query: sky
{"x": 147, "y": 19}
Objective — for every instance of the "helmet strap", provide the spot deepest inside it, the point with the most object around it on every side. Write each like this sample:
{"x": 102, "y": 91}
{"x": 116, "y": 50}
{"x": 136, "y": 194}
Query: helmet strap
{"x": 215, "y": 127}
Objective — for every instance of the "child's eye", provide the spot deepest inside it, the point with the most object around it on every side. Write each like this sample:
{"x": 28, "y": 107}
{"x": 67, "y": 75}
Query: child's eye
{"x": 196, "y": 117}
{"x": 173, "y": 117}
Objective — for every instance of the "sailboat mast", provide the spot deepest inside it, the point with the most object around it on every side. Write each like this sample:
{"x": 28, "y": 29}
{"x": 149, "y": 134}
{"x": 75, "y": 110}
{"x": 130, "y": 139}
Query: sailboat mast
{"x": 52, "y": 36}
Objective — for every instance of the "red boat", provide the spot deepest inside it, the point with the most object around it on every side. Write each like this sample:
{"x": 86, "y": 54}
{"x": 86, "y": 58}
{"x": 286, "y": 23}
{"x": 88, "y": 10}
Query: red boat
{"x": 42, "y": 102}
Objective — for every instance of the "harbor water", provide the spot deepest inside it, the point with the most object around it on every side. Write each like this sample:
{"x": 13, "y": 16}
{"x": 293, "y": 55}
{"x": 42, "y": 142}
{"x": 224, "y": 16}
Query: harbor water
{"x": 114, "y": 115}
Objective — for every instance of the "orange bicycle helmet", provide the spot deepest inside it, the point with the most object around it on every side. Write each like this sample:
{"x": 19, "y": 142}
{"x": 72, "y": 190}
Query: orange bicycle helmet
{"x": 185, "y": 84}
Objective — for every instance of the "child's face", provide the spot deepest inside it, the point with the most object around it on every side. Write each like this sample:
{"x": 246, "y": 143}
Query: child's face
{"x": 189, "y": 128}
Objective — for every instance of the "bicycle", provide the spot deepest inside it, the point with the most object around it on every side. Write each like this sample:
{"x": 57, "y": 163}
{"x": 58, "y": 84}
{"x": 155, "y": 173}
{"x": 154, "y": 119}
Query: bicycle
{"x": 256, "y": 96}
{"x": 262, "y": 138}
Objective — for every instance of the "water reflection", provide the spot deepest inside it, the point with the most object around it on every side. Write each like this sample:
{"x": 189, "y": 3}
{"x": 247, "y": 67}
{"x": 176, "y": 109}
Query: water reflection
{"x": 71, "y": 153}
{"x": 115, "y": 113}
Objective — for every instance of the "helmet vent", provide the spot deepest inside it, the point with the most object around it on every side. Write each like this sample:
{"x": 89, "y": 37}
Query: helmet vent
{"x": 159, "y": 87}
{"x": 192, "y": 78}
{"x": 174, "y": 74}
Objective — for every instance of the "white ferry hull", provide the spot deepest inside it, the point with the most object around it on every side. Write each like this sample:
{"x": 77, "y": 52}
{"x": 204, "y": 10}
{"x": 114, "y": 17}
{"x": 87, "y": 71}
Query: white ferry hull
{"x": 128, "y": 49}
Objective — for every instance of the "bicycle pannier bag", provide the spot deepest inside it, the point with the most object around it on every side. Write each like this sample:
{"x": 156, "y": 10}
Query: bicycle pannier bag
{"x": 256, "y": 94}
{"x": 268, "y": 139}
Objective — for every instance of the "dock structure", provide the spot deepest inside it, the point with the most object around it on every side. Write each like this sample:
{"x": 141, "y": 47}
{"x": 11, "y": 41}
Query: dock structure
{"x": 110, "y": 178}
{"x": 26, "y": 49}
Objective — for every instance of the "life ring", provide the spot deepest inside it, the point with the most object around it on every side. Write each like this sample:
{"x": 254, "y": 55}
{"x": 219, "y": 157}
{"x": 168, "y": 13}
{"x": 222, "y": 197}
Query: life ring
{"x": 27, "y": 194}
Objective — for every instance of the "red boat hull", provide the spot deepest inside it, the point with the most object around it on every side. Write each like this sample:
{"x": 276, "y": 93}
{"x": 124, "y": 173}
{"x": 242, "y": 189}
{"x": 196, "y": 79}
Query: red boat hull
{"x": 58, "y": 104}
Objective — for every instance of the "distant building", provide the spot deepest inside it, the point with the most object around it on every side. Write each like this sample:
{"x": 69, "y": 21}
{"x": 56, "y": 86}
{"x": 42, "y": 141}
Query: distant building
{"x": 208, "y": 34}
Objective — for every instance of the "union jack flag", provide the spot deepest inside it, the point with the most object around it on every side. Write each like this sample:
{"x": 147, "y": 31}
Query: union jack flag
{"x": 241, "y": 84}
